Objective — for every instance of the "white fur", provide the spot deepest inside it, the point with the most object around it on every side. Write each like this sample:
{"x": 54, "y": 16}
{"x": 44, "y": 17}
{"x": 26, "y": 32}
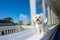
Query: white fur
{"x": 38, "y": 23}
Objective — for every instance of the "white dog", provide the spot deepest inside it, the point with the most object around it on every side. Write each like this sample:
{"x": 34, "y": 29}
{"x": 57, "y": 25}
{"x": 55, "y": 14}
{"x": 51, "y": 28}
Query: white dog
{"x": 38, "y": 20}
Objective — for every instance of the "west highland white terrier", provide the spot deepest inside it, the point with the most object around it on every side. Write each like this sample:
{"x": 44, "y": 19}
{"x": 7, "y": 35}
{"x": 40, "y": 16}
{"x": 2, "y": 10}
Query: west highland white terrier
{"x": 38, "y": 20}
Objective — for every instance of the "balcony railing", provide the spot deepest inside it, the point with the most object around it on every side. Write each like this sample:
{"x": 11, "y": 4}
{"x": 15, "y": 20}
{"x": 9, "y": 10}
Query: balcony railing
{"x": 30, "y": 34}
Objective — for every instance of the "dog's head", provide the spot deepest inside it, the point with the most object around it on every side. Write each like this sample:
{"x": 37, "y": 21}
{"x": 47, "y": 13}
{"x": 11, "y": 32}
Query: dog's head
{"x": 37, "y": 18}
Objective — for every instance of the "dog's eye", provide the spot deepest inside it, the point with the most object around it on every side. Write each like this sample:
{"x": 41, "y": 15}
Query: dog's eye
{"x": 39, "y": 17}
{"x": 35, "y": 17}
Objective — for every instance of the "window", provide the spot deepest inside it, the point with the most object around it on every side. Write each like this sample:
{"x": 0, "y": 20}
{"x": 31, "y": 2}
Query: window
{"x": 46, "y": 13}
{"x": 39, "y": 7}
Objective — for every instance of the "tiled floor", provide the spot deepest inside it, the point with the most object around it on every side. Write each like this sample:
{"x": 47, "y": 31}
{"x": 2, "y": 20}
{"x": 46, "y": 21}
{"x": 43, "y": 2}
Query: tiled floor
{"x": 57, "y": 36}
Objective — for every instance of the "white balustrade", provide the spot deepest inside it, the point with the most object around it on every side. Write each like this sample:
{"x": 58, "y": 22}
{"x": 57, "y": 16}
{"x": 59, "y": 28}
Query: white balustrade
{"x": 7, "y": 32}
{"x": 4, "y": 32}
{"x": 27, "y": 34}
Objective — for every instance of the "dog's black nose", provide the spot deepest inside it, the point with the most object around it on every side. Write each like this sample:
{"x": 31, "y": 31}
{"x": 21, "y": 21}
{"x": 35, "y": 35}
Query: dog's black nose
{"x": 37, "y": 19}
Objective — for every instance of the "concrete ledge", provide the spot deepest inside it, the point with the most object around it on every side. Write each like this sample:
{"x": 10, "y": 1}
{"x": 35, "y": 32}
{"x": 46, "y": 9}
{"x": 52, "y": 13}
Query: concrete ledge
{"x": 29, "y": 35}
{"x": 49, "y": 36}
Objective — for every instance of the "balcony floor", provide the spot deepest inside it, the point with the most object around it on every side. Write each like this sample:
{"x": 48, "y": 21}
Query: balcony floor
{"x": 28, "y": 34}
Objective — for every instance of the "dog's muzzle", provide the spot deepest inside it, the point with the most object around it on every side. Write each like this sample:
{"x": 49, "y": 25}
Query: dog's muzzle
{"x": 38, "y": 21}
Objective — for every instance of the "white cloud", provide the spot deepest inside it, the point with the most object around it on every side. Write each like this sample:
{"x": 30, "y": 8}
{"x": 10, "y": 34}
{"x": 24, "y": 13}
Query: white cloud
{"x": 23, "y": 17}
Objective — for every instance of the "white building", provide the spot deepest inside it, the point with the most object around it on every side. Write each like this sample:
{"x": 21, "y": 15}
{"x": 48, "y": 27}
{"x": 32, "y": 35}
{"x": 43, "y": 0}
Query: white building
{"x": 5, "y": 23}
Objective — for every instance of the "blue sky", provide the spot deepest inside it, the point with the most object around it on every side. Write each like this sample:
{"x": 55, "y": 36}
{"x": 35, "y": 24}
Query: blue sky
{"x": 13, "y": 9}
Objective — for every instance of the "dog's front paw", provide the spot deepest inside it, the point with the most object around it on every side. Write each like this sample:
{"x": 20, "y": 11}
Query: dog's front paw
{"x": 39, "y": 32}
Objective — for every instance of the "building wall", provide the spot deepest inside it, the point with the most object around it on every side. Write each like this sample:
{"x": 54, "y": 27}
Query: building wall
{"x": 59, "y": 19}
{"x": 52, "y": 13}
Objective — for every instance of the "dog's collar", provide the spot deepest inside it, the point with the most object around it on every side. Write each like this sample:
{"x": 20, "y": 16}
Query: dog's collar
{"x": 40, "y": 23}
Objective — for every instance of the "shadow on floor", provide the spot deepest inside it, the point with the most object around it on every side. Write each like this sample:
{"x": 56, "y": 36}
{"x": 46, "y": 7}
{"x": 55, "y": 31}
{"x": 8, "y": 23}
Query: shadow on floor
{"x": 57, "y": 35}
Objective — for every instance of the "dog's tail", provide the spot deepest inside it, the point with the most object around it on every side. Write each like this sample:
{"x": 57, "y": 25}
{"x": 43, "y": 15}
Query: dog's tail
{"x": 46, "y": 21}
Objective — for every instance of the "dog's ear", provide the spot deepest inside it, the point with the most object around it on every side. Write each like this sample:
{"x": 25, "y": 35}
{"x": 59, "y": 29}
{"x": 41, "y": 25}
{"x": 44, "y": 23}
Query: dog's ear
{"x": 41, "y": 15}
{"x": 34, "y": 15}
